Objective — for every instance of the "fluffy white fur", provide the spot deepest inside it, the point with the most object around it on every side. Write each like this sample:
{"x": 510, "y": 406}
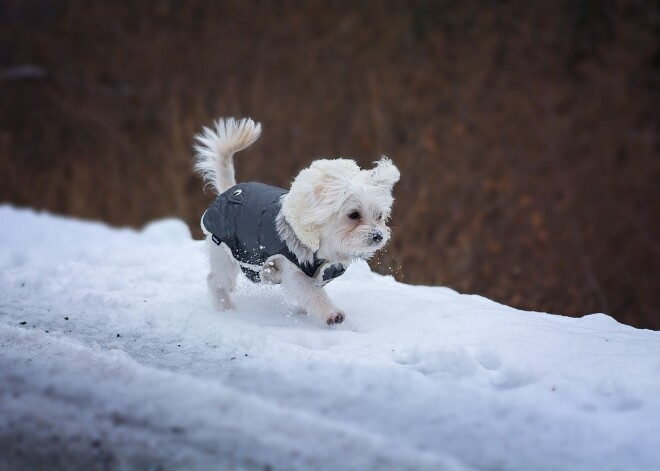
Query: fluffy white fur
{"x": 215, "y": 150}
{"x": 333, "y": 209}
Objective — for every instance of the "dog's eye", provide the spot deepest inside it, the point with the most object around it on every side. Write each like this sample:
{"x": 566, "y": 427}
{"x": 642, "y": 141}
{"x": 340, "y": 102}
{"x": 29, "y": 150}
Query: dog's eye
{"x": 354, "y": 215}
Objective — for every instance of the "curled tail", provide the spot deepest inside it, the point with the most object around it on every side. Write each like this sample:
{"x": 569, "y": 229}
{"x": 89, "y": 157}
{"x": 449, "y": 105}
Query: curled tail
{"x": 215, "y": 149}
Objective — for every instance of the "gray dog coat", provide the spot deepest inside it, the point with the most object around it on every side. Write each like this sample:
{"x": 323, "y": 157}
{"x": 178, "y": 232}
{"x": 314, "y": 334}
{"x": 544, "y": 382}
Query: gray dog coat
{"x": 243, "y": 218}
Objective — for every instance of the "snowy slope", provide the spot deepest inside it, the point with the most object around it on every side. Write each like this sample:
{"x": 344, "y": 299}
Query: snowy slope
{"x": 112, "y": 357}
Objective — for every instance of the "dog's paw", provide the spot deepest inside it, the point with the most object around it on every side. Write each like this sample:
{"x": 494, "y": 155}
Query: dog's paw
{"x": 227, "y": 305}
{"x": 335, "y": 318}
{"x": 222, "y": 300}
{"x": 271, "y": 271}
{"x": 224, "y": 304}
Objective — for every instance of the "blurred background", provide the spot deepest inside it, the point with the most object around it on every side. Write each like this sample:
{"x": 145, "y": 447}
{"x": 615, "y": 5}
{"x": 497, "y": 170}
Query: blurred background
{"x": 527, "y": 133}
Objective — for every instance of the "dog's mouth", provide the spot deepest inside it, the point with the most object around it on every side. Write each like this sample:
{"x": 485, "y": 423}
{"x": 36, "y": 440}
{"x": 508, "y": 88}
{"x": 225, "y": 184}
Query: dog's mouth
{"x": 360, "y": 246}
{"x": 370, "y": 247}
{"x": 361, "y": 253}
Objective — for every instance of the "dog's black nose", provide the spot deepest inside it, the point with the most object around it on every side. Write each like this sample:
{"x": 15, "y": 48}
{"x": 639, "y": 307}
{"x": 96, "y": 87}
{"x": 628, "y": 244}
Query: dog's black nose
{"x": 376, "y": 237}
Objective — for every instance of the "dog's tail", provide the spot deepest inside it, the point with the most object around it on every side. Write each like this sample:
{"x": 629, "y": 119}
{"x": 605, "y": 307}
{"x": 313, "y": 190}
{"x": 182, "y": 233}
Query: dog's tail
{"x": 215, "y": 149}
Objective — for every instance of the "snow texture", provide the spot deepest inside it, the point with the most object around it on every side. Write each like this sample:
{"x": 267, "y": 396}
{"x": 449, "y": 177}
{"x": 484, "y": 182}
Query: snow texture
{"x": 112, "y": 357}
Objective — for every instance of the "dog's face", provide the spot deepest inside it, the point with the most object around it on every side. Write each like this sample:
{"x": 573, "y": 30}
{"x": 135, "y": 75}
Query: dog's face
{"x": 340, "y": 211}
{"x": 357, "y": 214}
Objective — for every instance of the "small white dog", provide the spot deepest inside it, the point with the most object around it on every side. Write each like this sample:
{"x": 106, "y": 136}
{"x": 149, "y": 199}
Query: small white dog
{"x": 302, "y": 238}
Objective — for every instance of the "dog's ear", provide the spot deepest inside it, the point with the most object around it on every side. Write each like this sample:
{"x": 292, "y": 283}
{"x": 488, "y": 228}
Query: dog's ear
{"x": 385, "y": 173}
{"x": 331, "y": 180}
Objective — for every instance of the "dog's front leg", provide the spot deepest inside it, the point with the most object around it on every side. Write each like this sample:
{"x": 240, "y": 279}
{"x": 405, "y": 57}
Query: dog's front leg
{"x": 314, "y": 299}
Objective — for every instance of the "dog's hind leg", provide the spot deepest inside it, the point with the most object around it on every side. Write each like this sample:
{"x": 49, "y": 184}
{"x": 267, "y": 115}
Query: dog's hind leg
{"x": 312, "y": 298}
{"x": 223, "y": 275}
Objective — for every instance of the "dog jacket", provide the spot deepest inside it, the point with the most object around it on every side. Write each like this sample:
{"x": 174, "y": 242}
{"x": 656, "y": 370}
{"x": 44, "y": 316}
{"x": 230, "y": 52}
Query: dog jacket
{"x": 243, "y": 218}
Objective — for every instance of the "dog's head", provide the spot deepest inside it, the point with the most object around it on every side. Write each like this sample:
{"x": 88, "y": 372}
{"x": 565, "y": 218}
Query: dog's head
{"x": 339, "y": 211}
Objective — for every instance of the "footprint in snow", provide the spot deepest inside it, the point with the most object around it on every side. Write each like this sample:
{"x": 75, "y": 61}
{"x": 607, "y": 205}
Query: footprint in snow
{"x": 502, "y": 377}
{"x": 454, "y": 362}
{"x": 511, "y": 378}
{"x": 457, "y": 362}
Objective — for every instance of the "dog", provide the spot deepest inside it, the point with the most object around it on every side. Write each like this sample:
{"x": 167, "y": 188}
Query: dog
{"x": 301, "y": 238}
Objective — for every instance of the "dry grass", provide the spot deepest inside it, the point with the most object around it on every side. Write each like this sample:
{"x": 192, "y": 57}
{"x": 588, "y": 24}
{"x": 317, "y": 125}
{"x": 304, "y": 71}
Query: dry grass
{"x": 526, "y": 132}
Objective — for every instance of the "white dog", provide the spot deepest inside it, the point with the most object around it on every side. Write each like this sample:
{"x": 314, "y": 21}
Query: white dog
{"x": 302, "y": 238}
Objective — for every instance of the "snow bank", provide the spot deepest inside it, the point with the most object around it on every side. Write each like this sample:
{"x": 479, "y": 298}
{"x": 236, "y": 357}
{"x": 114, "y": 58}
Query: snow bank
{"x": 112, "y": 357}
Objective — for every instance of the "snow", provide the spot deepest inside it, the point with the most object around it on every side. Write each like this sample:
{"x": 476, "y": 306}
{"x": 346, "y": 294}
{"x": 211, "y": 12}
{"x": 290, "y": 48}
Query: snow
{"x": 112, "y": 357}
